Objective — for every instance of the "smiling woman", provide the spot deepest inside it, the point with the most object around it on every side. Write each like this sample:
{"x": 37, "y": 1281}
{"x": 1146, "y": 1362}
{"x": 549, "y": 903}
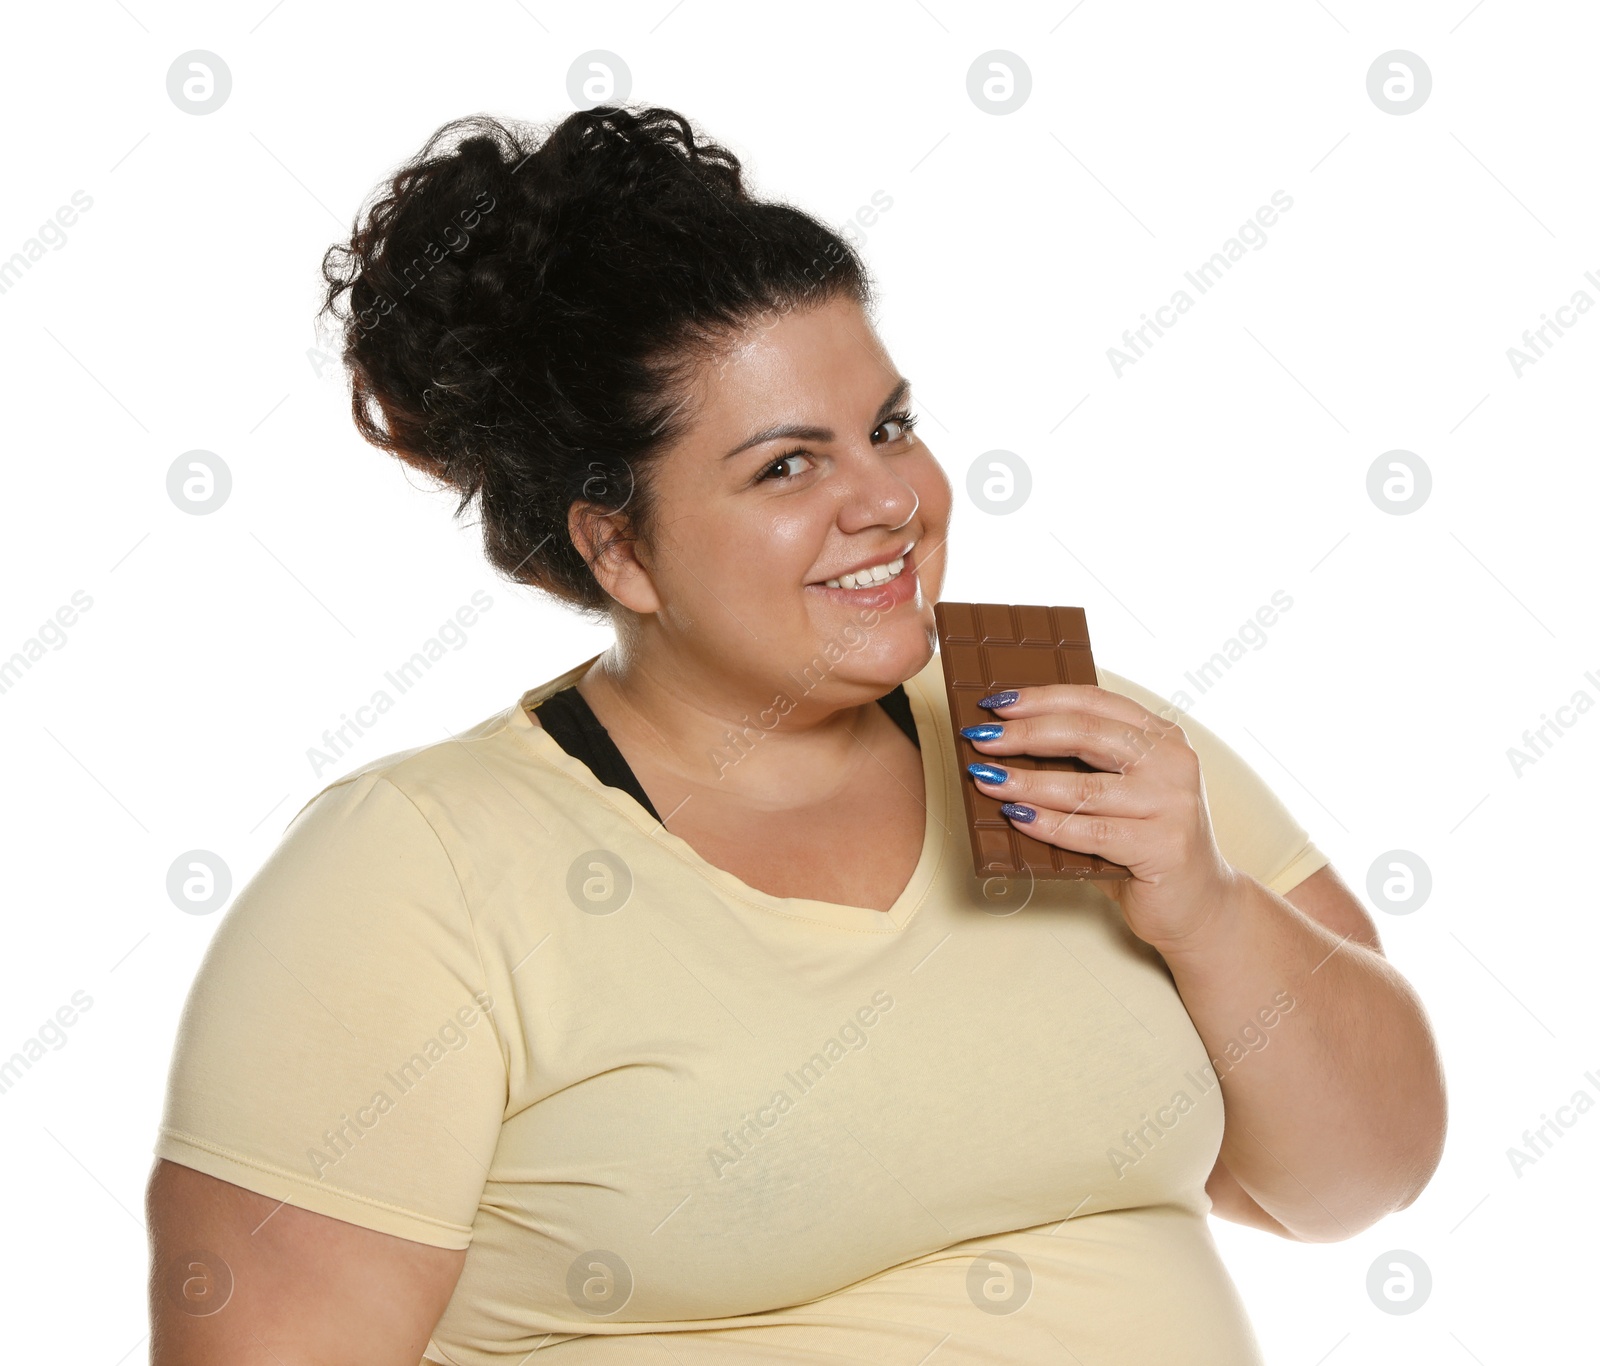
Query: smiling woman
{"x": 675, "y": 867}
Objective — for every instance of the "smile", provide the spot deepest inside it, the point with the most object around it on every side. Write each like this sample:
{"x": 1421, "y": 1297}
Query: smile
{"x": 878, "y": 587}
{"x": 869, "y": 578}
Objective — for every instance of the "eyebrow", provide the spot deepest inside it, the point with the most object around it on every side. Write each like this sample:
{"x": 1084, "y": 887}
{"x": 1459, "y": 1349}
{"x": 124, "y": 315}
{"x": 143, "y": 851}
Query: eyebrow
{"x": 795, "y": 432}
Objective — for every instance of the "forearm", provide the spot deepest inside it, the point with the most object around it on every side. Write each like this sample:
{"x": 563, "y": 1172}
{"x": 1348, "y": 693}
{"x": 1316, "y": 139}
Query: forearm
{"x": 1339, "y": 1117}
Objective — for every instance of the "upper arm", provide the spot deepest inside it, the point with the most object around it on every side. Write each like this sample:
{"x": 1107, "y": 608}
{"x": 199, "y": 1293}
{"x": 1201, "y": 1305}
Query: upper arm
{"x": 237, "y": 1276}
{"x": 1325, "y": 898}
{"x": 338, "y": 1067}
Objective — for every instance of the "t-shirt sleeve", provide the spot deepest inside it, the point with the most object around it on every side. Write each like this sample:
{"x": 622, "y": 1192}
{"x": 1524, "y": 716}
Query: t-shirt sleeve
{"x": 338, "y": 1048}
{"x": 1254, "y": 830}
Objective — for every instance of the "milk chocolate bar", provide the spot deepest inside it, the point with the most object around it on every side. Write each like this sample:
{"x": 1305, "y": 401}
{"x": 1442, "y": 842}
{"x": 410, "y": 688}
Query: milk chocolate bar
{"x": 988, "y": 647}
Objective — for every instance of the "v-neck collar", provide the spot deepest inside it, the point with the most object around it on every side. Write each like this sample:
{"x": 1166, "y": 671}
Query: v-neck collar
{"x": 938, "y": 756}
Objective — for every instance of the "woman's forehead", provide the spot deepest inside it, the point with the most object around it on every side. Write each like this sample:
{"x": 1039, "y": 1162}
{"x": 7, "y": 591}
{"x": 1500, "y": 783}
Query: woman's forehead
{"x": 826, "y": 357}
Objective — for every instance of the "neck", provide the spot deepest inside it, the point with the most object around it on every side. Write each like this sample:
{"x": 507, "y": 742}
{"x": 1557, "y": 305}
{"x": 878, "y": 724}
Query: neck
{"x": 744, "y": 735}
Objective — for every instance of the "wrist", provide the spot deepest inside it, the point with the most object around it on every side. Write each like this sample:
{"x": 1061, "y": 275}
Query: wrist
{"x": 1218, "y": 923}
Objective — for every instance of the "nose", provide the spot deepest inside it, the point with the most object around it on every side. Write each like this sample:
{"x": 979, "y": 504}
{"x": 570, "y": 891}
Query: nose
{"x": 873, "y": 491}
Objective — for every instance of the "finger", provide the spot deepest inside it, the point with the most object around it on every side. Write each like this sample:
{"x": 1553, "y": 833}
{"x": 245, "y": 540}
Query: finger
{"x": 1108, "y": 836}
{"x": 1047, "y": 697}
{"x": 1105, "y": 794}
{"x": 1104, "y": 742}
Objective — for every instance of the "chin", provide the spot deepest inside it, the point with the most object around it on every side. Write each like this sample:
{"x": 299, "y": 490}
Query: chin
{"x": 886, "y": 655}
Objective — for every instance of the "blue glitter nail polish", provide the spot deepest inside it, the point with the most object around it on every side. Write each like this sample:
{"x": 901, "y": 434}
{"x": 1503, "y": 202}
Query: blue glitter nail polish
{"x": 989, "y": 732}
{"x": 988, "y": 773}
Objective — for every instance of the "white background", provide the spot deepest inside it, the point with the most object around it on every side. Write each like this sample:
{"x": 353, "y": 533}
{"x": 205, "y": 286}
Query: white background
{"x": 1228, "y": 462}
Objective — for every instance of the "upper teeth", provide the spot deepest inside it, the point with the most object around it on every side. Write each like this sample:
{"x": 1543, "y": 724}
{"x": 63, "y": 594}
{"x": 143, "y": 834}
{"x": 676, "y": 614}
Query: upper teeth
{"x": 866, "y": 578}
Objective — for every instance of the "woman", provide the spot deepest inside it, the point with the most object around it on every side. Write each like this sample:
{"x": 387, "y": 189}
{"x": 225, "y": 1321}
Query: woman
{"x": 661, "y": 1010}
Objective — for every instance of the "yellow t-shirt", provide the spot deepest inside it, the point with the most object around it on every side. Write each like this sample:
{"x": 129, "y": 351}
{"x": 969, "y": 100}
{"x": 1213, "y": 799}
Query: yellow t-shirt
{"x": 478, "y": 999}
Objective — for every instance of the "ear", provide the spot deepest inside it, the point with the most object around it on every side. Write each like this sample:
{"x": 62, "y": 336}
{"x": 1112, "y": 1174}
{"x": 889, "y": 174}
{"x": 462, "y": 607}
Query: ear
{"x": 598, "y": 534}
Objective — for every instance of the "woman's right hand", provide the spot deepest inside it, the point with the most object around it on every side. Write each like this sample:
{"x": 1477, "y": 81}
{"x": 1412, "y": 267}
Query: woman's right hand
{"x": 307, "y": 1290}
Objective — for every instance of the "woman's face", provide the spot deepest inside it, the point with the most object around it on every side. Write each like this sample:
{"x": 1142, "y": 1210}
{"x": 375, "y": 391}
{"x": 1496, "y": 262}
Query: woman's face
{"x": 800, "y": 466}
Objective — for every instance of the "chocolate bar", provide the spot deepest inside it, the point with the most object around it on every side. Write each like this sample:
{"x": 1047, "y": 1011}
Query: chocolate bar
{"x": 988, "y": 647}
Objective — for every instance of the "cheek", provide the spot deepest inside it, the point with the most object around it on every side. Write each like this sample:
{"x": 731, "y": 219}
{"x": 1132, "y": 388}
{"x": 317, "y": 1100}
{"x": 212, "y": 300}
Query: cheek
{"x": 935, "y": 496}
{"x": 749, "y": 552}
{"x": 787, "y": 540}
{"x": 934, "y": 489}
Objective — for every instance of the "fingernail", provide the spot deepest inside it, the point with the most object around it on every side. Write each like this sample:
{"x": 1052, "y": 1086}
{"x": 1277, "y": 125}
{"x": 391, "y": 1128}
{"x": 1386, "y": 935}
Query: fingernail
{"x": 998, "y": 699}
{"x": 1018, "y": 812}
{"x": 990, "y": 732}
{"x": 987, "y": 773}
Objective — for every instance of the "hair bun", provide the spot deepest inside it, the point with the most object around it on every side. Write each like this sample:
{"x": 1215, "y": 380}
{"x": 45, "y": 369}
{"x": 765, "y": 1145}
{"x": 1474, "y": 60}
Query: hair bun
{"x": 616, "y": 152}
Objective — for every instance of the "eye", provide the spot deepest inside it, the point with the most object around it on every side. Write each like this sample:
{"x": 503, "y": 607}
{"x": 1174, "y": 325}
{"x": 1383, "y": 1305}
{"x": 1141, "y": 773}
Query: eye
{"x": 780, "y": 461}
{"x": 895, "y": 428}
{"x": 902, "y": 423}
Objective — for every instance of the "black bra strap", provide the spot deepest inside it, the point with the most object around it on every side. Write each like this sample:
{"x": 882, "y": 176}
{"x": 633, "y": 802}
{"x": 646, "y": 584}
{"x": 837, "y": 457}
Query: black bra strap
{"x": 574, "y": 726}
{"x": 898, "y": 705}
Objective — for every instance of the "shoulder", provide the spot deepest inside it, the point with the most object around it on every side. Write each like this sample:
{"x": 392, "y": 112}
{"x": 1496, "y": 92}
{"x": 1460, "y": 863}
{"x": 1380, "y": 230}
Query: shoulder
{"x": 475, "y": 761}
{"x": 475, "y": 773}
{"x": 421, "y": 762}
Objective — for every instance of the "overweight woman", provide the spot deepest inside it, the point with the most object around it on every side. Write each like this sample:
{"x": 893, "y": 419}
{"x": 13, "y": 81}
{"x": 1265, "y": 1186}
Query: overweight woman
{"x": 659, "y": 1016}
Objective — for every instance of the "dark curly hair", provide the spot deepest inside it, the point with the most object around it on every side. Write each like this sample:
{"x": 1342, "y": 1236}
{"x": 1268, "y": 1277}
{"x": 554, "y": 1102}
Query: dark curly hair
{"x": 526, "y": 305}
